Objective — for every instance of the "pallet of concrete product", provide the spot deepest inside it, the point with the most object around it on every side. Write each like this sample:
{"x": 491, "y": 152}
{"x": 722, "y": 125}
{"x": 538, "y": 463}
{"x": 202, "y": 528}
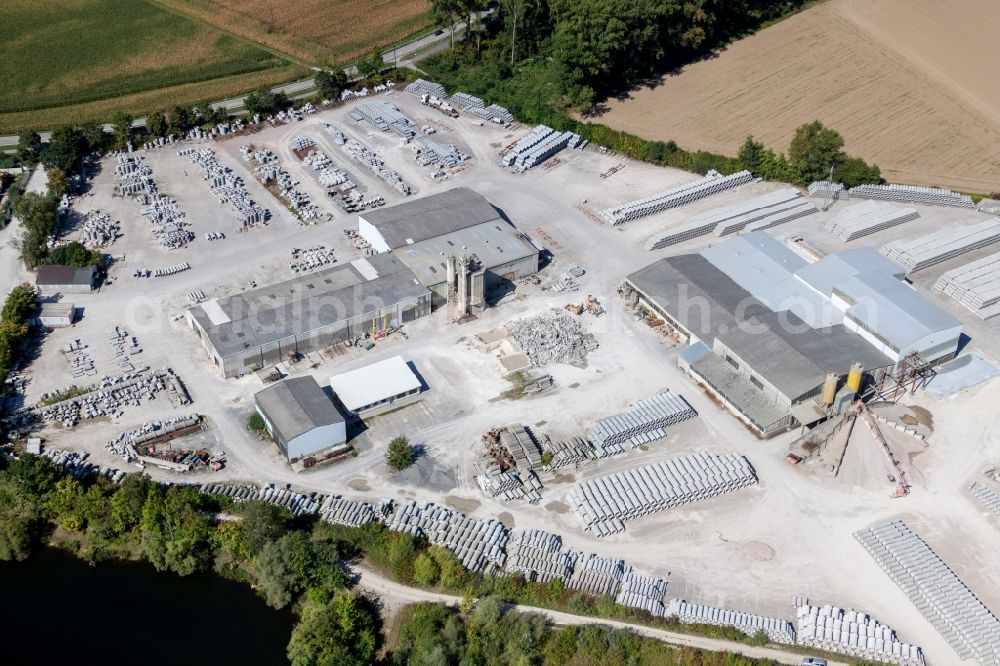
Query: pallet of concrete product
{"x": 340, "y": 511}
{"x": 644, "y": 422}
{"x": 464, "y": 101}
{"x": 422, "y": 87}
{"x": 597, "y": 575}
{"x": 712, "y": 183}
{"x": 930, "y": 196}
{"x": 602, "y": 504}
{"x": 522, "y": 446}
{"x": 824, "y": 189}
{"x": 777, "y": 629}
{"x": 867, "y": 218}
{"x": 975, "y": 285}
{"x": 991, "y": 206}
{"x": 568, "y": 452}
{"x": 971, "y": 629}
{"x": 386, "y": 117}
{"x": 987, "y": 494}
{"x": 853, "y": 633}
{"x": 642, "y": 592}
{"x": 920, "y": 253}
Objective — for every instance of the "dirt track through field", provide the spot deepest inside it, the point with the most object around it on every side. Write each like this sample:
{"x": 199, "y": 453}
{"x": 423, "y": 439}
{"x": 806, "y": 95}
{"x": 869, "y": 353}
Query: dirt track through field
{"x": 911, "y": 84}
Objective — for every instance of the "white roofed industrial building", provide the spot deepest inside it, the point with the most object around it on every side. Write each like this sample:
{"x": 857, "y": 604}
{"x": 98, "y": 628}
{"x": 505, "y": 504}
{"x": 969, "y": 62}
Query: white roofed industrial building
{"x": 377, "y": 387}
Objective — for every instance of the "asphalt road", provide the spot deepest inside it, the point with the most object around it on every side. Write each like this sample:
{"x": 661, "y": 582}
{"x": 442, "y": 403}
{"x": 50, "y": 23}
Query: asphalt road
{"x": 401, "y": 56}
{"x": 394, "y": 593}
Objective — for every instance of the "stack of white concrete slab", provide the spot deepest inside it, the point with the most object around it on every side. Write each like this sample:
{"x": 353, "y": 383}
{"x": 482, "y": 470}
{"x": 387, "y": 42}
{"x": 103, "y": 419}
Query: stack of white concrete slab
{"x": 920, "y": 253}
{"x": 541, "y": 143}
{"x": 644, "y": 422}
{"x": 422, "y": 87}
{"x": 712, "y": 183}
{"x": 602, "y": 504}
{"x": 538, "y": 556}
{"x": 642, "y": 592}
{"x": 824, "y": 189}
{"x": 777, "y": 629}
{"x": 478, "y": 544}
{"x": 941, "y": 597}
{"x": 867, "y": 218}
{"x": 768, "y": 209}
{"x": 853, "y": 633}
{"x": 931, "y": 196}
{"x": 975, "y": 285}
{"x": 987, "y": 494}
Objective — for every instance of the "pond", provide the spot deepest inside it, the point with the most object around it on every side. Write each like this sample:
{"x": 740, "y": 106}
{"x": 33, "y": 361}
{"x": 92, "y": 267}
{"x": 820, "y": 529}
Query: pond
{"x": 57, "y": 609}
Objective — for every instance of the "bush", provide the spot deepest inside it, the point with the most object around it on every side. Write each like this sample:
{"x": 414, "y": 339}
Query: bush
{"x": 400, "y": 454}
{"x": 255, "y": 423}
{"x": 74, "y": 254}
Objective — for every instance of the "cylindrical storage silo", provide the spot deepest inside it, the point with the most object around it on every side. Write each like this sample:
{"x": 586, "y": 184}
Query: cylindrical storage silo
{"x": 854, "y": 377}
{"x": 829, "y": 389}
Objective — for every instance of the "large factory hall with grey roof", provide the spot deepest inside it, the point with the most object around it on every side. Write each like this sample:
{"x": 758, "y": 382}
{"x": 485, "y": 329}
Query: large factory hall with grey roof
{"x": 766, "y": 329}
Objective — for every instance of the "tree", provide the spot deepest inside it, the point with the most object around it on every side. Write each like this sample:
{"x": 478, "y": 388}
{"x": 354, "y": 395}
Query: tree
{"x": 122, "y": 123}
{"x": 29, "y": 145}
{"x": 37, "y": 214}
{"x": 20, "y": 305}
{"x": 156, "y": 124}
{"x": 855, "y": 171}
{"x": 128, "y": 501}
{"x": 75, "y": 254}
{"x": 343, "y": 632}
{"x": 293, "y": 564}
{"x": 400, "y": 454}
{"x": 813, "y": 150}
{"x": 425, "y": 570}
{"x": 331, "y": 83}
{"x": 513, "y": 14}
{"x": 58, "y": 182}
{"x": 20, "y": 519}
{"x": 255, "y": 423}
{"x": 447, "y": 12}
{"x": 262, "y": 523}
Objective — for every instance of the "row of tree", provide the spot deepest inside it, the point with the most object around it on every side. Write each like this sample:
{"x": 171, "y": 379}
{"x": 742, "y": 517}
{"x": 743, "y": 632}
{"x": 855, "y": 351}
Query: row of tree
{"x": 18, "y": 309}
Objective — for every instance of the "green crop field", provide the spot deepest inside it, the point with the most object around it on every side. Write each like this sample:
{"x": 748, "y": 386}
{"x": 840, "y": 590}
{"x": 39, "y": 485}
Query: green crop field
{"x": 58, "y": 53}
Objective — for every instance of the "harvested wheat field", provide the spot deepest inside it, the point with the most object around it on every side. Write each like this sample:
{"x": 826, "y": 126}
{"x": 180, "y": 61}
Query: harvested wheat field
{"x": 911, "y": 84}
{"x": 313, "y": 31}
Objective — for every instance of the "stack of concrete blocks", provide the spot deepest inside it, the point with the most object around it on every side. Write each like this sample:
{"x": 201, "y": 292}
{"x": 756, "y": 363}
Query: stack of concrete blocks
{"x": 228, "y": 186}
{"x": 76, "y": 465}
{"x": 642, "y": 592}
{"x": 465, "y": 101}
{"x": 539, "y": 145}
{"x": 434, "y": 153}
{"x": 768, "y": 210}
{"x": 134, "y": 176}
{"x": 538, "y": 556}
{"x": 987, "y": 494}
{"x": 594, "y": 574}
{"x": 930, "y": 196}
{"x": 340, "y": 511}
{"x": 297, "y": 503}
{"x": 940, "y": 596}
{"x": 712, "y": 183}
{"x": 510, "y": 486}
{"x": 644, "y": 422}
{"x": 166, "y": 217}
{"x": 478, "y": 544}
{"x": 991, "y": 206}
{"x": 602, "y": 504}
{"x": 522, "y": 446}
{"x": 112, "y": 395}
{"x": 99, "y": 229}
{"x": 376, "y": 165}
{"x": 493, "y": 113}
{"x": 385, "y": 117}
{"x": 824, "y": 189}
{"x": 854, "y": 633}
{"x": 867, "y": 218}
{"x": 421, "y": 87}
{"x": 777, "y": 629}
{"x": 975, "y": 285}
{"x": 920, "y": 253}
{"x": 568, "y": 452}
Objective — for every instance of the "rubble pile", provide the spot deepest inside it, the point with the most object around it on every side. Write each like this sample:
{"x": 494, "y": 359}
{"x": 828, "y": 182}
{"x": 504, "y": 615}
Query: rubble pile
{"x": 552, "y": 337}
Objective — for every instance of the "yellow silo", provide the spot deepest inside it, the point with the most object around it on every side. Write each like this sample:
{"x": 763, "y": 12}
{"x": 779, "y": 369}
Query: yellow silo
{"x": 854, "y": 377}
{"x": 829, "y": 389}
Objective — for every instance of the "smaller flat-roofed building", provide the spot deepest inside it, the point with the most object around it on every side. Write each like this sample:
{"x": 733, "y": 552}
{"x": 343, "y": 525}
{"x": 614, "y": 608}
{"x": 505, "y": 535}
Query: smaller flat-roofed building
{"x": 377, "y": 387}
{"x": 65, "y": 280}
{"x": 54, "y": 315}
{"x": 302, "y": 419}
{"x": 259, "y": 328}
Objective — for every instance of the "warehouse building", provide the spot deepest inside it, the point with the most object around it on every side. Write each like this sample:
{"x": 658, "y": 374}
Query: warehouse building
{"x": 765, "y": 328}
{"x": 301, "y": 419}
{"x": 378, "y": 387}
{"x": 424, "y": 233}
{"x": 262, "y": 327}
{"x": 65, "y": 280}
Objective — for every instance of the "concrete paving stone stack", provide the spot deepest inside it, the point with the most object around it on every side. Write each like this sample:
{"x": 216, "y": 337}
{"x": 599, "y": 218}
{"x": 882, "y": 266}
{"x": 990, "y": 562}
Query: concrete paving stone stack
{"x": 644, "y": 422}
{"x": 778, "y": 630}
{"x": 987, "y": 494}
{"x": 604, "y": 503}
{"x": 920, "y": 253}
{"x": 948, "y": 604}
{"x": 422, "y": 87}
{"x": 867, "y": 218}
{"x": 975, "y": 285}
{"x": 930, "y": 196}
{"x": 712, "y": 183}
{"x": 643, "y": 592}
{"x": 853, "y": 633}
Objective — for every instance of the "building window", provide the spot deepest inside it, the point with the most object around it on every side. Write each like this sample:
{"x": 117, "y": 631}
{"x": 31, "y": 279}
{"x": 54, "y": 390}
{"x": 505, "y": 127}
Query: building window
{"x": 732, "y": 361}
{"x": 756, "y": 382}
